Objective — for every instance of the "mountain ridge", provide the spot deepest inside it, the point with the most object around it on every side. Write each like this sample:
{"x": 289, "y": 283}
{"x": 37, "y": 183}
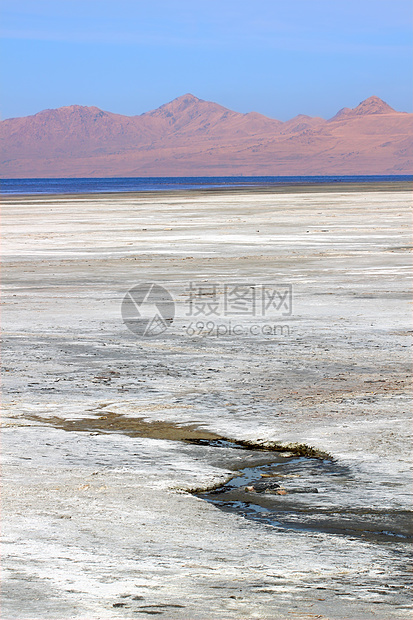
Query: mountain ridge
{"x": 188, "y": 99}
{"x": 189, "y": 135}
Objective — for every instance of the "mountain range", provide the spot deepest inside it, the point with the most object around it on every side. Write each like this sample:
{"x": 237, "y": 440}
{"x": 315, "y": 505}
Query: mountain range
{"x": 192, "y": 137}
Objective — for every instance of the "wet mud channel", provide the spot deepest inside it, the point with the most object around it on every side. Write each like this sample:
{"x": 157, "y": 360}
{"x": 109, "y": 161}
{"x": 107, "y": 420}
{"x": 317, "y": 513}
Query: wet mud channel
{"x": 283, "y": 486}
{"x": 304, "y": 493}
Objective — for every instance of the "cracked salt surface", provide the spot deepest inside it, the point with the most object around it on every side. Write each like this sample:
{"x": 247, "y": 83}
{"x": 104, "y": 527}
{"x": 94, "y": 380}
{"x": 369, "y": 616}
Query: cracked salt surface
{"x": 102, "y": 524}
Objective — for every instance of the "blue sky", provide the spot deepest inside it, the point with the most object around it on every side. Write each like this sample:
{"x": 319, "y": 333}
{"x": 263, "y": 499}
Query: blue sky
{"x": 276, "y": 57}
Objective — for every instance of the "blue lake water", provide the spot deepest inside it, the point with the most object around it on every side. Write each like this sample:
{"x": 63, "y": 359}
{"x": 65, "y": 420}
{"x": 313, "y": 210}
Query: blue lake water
{"x": 141, "y": 184}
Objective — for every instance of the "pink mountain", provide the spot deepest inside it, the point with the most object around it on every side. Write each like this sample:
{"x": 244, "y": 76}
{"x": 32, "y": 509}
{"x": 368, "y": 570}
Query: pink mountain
{"x": 192, "y": 137}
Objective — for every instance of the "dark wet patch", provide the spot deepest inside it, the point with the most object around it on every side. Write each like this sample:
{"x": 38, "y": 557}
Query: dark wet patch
{"x": 150, "y": 609}
{"x": 161, "y": 605}
{"x": 308, "y": 495}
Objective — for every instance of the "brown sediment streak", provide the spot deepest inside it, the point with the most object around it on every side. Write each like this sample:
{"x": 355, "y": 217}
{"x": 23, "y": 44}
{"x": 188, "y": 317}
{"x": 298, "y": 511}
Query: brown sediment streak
{"x": 110, "y": 422}
{"x": 133, "y": 427}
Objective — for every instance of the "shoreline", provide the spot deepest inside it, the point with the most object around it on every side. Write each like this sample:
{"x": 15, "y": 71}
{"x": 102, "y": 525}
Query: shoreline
{"x": 264, "y": 188}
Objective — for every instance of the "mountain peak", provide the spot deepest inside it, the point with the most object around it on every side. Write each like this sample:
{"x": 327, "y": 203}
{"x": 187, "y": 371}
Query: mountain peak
{"x": 371, "y": 105}
{"x": 178, "y": 105}
{"x": 70, "y": 113}
{"x": 184, "y": 108}
{"x": 187, "y": 98}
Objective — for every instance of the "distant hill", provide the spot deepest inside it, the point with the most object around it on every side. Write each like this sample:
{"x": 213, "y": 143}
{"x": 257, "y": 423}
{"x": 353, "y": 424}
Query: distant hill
{"x": 191, "y": 137}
